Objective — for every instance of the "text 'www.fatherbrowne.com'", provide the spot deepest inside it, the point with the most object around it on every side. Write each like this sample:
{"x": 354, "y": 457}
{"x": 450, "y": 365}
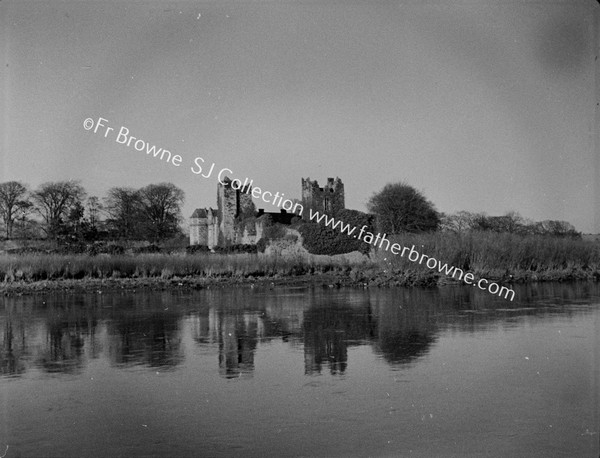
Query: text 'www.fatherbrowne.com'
{"x": 382, "y": 242}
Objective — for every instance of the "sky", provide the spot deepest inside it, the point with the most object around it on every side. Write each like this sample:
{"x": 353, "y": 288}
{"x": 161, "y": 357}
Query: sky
{"x": 484, "y": 106}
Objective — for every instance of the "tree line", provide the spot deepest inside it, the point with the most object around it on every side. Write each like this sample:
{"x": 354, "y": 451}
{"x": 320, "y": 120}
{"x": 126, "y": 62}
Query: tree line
{"x": 400, "y": 208}
{"x": 154, "y": 213}
{"x": 63, "y": 210}
{"x": 512, "y": 223}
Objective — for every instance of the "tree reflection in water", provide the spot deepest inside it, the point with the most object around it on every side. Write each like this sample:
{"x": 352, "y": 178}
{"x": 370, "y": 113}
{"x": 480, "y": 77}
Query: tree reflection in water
{"x": 150, "y": 339}
{"x": 329, "y": 329}
{"x": 13, "y": 350}
{"x": 63, "y": 333}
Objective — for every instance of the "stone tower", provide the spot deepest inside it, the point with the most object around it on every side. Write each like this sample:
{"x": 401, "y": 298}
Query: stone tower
{"x": 329, "y": 199}
{"x": 232, "y": 203}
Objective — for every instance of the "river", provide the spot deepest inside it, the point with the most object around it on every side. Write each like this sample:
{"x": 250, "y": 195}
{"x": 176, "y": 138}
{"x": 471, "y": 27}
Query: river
{"x": 302, "y": 371}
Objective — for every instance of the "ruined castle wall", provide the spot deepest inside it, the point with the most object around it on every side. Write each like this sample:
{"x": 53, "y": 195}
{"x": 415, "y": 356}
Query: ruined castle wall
{"x": 233, "y": 204}
{"x": 225, "y": 225}
{"x": 246, "y": 206}
{"x": 329, "y": 199}
{"x": 227, "y": 210}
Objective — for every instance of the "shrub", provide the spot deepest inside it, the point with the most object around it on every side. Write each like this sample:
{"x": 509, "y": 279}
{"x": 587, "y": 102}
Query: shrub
{"x": 147, "y": 249}
{"x": 192, "y": 249}
{"x": 261, "y": 245}
{"x": 275, "y": 231}
{"x": 71, "y": 248}
{"x": 240, "y": 248}
{"x": 93, "y": 249}
{"x": 25, "y": 250}
{"x": 319, "y": 239}
{"x": 114, "y": 249}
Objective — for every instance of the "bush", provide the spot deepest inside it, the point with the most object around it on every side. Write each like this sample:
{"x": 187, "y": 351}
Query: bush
{"x": 261, "y": 245}
{"x": 147, "y": 249}
{"x": 93, "y": 249}
{"x": 114, "y": 249}
{"x": 193, "y": 249}
{"x": 26, "y": 250}
{"x": 179, "y": 242}
{"x": 71, "y": 248}
{"x": 319, "y": 239}
{"x": 274, "y": 232}
{"x": 235, "y": 249}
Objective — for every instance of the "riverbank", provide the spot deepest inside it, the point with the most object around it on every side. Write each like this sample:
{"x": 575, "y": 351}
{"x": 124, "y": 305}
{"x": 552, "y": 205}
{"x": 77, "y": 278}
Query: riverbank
{"x": 337, "y": 273}
{"x": 500, "y": 258}
{"x": 99, "y": 286}
{"x": 32, "y": 273}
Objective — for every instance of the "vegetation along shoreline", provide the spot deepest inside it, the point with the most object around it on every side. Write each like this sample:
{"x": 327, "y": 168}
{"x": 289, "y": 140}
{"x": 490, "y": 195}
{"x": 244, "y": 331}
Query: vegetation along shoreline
{"x": 135, "y": 240}
{"x": 504, "y": 258}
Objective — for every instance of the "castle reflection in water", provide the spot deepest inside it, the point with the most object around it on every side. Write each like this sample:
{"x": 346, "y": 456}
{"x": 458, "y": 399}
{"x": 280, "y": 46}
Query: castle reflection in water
{"x": 65, "y": 333}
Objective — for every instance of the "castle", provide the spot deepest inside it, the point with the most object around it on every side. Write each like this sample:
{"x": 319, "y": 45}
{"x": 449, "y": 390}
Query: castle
{"x": 329, "y": 199}
{"x": 236, "y": 221}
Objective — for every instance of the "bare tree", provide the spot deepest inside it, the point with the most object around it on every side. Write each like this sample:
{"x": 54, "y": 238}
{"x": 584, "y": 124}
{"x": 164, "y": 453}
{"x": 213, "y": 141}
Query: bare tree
{"x": 24, "y": 226}
{"x": 124, "y": 211}
{"x": 13, "y": 197}
{"x": 459, "y": 222}
{"x": 54, "y": 201}
{"x": 558, "y": 228}
{"x": 512, "y": 223}
{"x": 94, "y": 207}
{"x": 161, "y": 207}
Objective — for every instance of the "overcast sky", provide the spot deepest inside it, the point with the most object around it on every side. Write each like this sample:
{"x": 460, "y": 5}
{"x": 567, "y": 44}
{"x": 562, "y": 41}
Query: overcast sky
{"x": 482, "y": 105}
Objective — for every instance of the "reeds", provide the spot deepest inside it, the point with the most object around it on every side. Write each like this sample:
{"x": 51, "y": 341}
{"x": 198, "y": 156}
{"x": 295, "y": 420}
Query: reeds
{"x": 485, "y": 254}
{"x": 36, "y": 267}
{"x": 493, "y": 255}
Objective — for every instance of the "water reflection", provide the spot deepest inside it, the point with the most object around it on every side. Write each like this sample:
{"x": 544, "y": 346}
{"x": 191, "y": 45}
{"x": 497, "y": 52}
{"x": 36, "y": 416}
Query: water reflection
{"x": 407, "y": 329}
{"x": 152, "y": 339}
{"x": 330, "y": 328}
{"x": 13, "y": 349}
{"x": 62, "y": 334}
{"x": 238, "y": 336}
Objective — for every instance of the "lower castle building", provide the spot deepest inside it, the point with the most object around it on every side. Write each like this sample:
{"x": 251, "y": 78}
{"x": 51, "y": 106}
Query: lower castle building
{"x": 204, "y": 227}
{"x": 236, "y": 221}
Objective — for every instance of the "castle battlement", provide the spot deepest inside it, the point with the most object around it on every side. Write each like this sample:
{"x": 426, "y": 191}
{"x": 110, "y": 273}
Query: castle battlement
{"x": 328, "y": 199}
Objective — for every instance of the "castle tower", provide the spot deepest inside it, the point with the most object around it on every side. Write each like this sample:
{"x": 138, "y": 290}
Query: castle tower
{"x": 329, "y": 199}
{"x": 231, "y": 203}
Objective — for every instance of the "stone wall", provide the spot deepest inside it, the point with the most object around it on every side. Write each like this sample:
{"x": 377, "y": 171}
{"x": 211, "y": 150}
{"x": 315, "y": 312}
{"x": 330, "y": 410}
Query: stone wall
{"x": 328, "y": 199}
{"x": 232, "y": 204}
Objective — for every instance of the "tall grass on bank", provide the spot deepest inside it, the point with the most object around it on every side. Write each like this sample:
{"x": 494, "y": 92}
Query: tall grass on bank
{"x": 490, "y": 255}
{"x": 36, "y": 267}
{"x": 497, "y": 256}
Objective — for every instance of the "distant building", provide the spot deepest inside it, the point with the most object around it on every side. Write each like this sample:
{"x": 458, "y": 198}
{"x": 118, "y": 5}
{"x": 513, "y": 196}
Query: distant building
{"x": 236, "y": 221}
